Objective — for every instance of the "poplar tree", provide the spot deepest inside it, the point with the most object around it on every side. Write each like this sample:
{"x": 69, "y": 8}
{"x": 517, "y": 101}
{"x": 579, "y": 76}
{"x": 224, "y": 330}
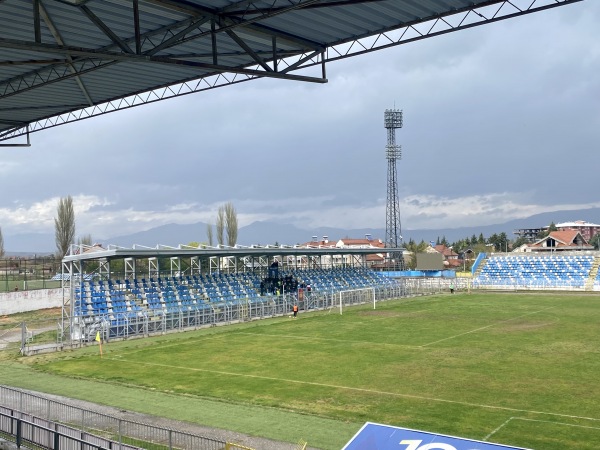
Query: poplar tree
{"x": 231, "y": 223}
{"x": 64, "y": 226}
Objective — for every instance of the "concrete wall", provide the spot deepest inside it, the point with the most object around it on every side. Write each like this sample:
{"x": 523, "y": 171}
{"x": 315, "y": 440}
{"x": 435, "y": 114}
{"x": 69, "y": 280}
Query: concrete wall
{"x": 22, "y": 301}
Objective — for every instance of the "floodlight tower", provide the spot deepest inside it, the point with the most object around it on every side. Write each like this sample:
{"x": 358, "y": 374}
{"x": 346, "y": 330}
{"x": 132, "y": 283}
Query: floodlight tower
{"x": 393, "y": 152}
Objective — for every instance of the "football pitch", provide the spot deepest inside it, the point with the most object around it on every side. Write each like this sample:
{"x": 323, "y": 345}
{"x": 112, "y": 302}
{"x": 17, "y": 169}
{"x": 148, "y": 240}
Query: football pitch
{"x": 516, "y": 369}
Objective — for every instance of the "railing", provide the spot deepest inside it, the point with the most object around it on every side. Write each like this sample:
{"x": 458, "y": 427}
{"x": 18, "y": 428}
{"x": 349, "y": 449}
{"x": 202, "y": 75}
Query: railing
{"x": 151, "y": 322}
{"x": 515, "y": 284}
{"x": 28, "y": 273}
{"x": 30, "y": 431}
{"x": 100, "y": 430}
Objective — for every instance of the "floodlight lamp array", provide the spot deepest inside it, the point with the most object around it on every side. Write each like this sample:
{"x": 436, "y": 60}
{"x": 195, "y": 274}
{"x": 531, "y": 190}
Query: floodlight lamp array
{"x": 393, "y": 118}
{"x": 393, "y": 152}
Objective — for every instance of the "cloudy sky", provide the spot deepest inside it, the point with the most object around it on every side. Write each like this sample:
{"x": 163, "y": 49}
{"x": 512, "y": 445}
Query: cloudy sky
{"x": 500, "y": 122}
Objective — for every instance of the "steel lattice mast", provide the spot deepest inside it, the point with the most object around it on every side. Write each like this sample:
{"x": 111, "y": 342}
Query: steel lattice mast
{"x": 393, "y": 152}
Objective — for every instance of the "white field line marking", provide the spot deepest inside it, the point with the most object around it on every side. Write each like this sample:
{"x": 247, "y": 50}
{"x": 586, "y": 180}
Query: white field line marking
{"x": 556, "y": 423}
{"x": 349, "y": 388}
{"x": 541, "y": 421}
{"x": 497, "y": 429}
{"x": 343, "y": 341}
{"x": 487, "y": 326}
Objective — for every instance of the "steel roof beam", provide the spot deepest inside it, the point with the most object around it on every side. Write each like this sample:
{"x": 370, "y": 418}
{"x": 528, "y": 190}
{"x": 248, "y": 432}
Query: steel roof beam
{"x": 111, "y": 58}
{"x": 248, "y": 50}
{"x": 230, "y": 10}
{"x": 50, "y": 24}
{"x": 228, "y": 21}
{"x": 122, "y": 44}
{"x": 105, "y": 29}
{"x": 339, "y": 50}
{"x": 434, "y": 21}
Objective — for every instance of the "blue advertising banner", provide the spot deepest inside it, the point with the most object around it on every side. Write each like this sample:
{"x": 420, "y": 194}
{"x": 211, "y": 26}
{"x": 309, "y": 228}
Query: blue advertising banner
{"x": 373, "y": 436}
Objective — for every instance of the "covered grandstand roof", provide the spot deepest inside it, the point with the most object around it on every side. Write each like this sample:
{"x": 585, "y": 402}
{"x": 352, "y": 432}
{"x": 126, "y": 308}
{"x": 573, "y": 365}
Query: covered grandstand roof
{"x": 82, "y": 252}
{"x": 67, "y": 60}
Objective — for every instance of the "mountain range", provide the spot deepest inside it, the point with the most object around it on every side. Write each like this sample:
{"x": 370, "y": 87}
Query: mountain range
{"x": 274, "y": 232}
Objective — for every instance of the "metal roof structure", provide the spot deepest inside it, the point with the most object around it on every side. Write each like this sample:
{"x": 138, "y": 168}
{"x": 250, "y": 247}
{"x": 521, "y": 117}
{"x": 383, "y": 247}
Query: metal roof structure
{"x": 66, "y": 60}
{"x": 79, "y": 253}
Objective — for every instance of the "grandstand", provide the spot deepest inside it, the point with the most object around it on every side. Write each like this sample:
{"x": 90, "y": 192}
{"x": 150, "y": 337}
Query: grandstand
{"x": 574, "y": 271}
{"x": 213, "y": 287}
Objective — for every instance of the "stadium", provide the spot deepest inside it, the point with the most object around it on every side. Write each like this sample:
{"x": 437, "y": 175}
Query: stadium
{"x": 153, "y": 362}
{"x": 286, "y": 347}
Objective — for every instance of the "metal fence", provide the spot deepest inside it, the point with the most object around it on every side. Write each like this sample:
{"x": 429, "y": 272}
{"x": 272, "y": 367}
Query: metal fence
{"x": 47, "y": 336}
{"x": 21, "y": 274}
{"x": 17, "y": 336}
{"x": 152, "y": 322}
{"x": 32, "y": 432}
{"x": 97, "y": 428}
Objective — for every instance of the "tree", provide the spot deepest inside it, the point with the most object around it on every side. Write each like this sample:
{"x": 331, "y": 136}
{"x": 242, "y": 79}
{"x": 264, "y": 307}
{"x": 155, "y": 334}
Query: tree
{"x": 220, "y": 225}
{"x": 1, "y": 244}
{"x": 209, "y": 234}
{"x": 519, "y": 241}
{"x": 542, "y": 234}
{"x": 64, "y": 226}
{"x": 595, "y": 241}
{"x": 226, "y": 223}
{"x": 503, "y": 242}
{"x": 231, "y": 223}
{"x": 86, "y": 240}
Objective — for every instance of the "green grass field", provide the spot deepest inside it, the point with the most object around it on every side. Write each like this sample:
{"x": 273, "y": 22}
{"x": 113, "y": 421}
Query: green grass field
{"x": 516, "y": 369}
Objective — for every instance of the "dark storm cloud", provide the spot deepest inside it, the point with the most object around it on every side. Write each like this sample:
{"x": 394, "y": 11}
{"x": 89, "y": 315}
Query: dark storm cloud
{"x": 496, "y": 119}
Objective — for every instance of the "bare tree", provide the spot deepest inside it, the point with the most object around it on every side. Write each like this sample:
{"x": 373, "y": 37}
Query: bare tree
{"x": 1, "y": 244}
{"x": 86, "y": 239}
{"x": 231, "y": 223}
{"x": 209, "y": 234}
{"x": 64, "y": 225}
{"x": 220, "y": 225}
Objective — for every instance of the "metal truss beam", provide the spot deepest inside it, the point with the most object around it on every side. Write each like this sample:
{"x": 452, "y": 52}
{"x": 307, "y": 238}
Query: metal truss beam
{"x": 483, "y": 14}
{"x": 241, "y": 14}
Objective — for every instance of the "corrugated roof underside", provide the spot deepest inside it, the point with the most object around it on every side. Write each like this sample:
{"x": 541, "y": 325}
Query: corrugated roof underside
{"x": 29, "y": 92}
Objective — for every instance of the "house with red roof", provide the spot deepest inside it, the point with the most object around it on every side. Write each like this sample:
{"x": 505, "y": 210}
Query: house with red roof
{"x": 366, "y": 242}
{"x": 450, "y": 256}
{"x": 560, "y": 241}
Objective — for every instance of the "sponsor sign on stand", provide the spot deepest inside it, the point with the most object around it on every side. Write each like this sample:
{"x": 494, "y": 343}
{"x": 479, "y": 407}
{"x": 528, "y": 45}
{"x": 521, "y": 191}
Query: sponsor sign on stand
{"x": 374, "y": 436}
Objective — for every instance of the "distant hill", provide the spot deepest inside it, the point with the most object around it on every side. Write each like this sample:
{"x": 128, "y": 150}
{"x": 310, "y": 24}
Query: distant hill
{"x": 272, "y": 232}
{"x": 29, "y": 244}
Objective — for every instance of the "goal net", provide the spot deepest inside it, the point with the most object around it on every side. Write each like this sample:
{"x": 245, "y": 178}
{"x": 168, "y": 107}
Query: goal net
{"x": 343, "y": 299}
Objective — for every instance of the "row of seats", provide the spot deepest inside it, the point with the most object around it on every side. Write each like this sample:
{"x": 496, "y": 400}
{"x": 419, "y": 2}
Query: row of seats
{"x": 323, "y": 280}
{"x": 536, "y": 271}
{"x": 202, "y": 291}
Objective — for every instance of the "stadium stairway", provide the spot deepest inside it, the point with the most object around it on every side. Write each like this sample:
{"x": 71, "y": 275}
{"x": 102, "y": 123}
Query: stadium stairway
{"x": 589, "y": 283}
{"x": 480, "y": 267}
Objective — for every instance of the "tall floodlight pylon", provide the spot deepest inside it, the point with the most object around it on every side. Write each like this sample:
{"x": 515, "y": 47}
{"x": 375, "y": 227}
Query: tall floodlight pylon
{"x": 393, "y": 153}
